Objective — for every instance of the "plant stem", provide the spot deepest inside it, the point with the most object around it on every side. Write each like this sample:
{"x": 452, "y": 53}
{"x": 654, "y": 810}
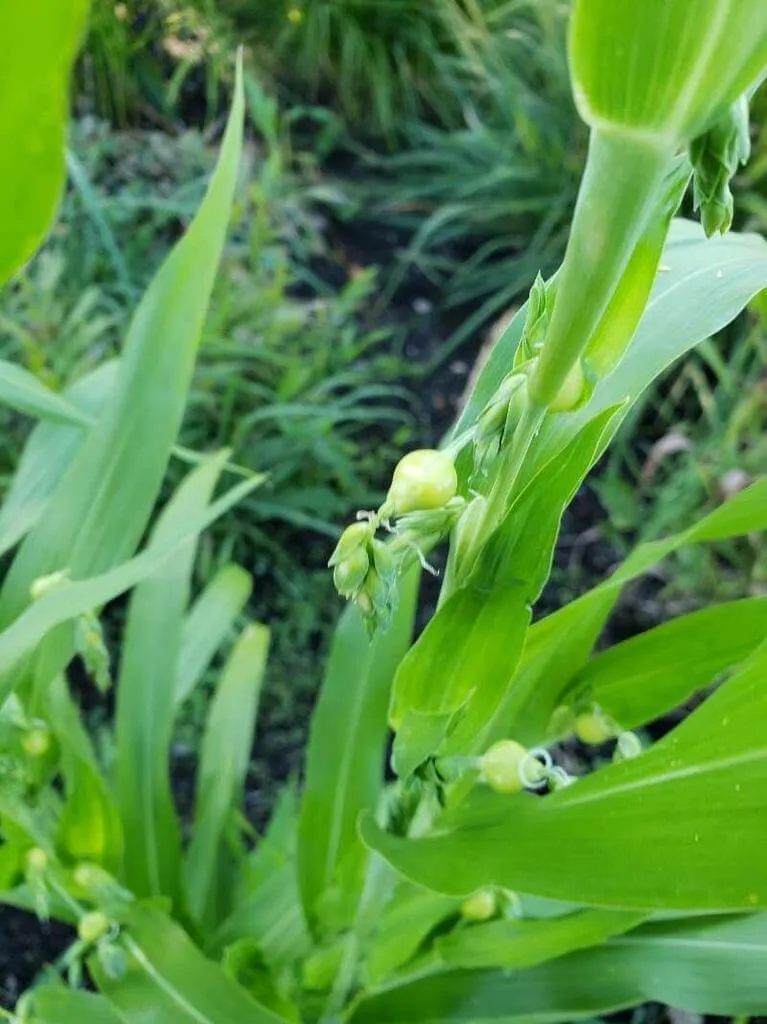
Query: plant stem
{"x": 619, "y": 188}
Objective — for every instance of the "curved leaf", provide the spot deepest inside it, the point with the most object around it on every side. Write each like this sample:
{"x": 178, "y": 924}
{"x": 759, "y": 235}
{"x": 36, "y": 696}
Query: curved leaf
{"x": 209, "y": 870}
{"x": 40, "y": 42}
{"x": 169, "y": 981}
{"x": 643, "y": 678}
{"x": 208, "y": 623}
{"x": 707, "y": 966}
{"x": 345, "y": 759}
{"x": 56, "y": 1004}
{"x": 101, "y": 505}
{"x": 679, "y": 827}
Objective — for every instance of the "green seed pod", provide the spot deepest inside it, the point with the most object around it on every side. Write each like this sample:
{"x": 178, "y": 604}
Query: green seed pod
{"x": 93, "y": 926}
{"x": 593, "y": 728}
{"x": 36, "y": 742}
{"x": 349, "y": 574}
{"x": 423, "y": 480}
{"x": 36, "y": 861}
{"x": 351, "y": 541}
{"x": 480, "y": 906}
{"x": 501, "y": 765}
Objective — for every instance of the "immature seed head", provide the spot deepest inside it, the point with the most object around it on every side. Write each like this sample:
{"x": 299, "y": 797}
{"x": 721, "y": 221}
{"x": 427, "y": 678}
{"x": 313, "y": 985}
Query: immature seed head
{"x": 480, "y": 906}
{"x": 93, "y": 926}
{"x": 36, "y": 860}
{"x": 501, "y": 766}
{"x": 423, "y": 480}
{"x": 36, "y": 742}
{"x": 349, "y": 574}
{"x": 593, "y": 727}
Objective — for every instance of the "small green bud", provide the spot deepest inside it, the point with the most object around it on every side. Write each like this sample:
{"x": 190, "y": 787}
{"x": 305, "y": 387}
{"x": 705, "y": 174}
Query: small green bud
{"x": 540, "y": 304}
{"x": 321, "y": 967}
{"x": 45, "y": 584}
{"x": 36, "y": 742}
{"x": 467, "y": 533}
{"x": 593, "y": 728}
{"x": 354, "y": 538}
{"x": 349, "y": 574}
{"x": 36, "y": 860}
{"x": 423, "y": 480}
{"x": 572, "y": 392}
{"x": 501, "y": 764}
{"x": 480, "y": 906}
{"x": 715, "y": 156}
{"x": 93, "y": 926}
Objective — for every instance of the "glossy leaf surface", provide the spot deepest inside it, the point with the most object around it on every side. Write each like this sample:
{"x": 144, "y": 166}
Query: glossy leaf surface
{"x": 40, "y": 42}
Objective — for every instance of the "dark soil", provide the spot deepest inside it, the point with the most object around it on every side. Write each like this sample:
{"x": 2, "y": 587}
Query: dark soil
{"x": 26, "y": 947}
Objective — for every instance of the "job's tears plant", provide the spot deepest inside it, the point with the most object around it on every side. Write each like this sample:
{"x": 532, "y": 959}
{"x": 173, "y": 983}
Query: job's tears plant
{"x": 486, "y": 883}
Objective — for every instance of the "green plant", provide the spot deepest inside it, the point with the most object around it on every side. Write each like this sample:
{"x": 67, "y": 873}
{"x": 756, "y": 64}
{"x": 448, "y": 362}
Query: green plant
{"x": 451, "y": 894}
{"x": 704, "y": 440}
{"x": 486, "y": 205}
{"x": 376, "y": 61}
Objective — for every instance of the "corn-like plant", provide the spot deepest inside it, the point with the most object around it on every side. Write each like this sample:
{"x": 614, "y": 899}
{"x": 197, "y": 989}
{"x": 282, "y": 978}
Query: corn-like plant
{"x": 486, "y": 882}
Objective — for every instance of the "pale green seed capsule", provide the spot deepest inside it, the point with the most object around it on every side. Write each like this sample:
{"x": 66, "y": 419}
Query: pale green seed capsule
{"x": 480, "y": 906}
{"x": 36, "y": 742}
{"x": 351, "y": 540}
{"x": 501, "y": 766}
{"x": 593, "y": 728}
{"x": 36, "y": 860}
{"x": 93, "y": 926}
{"x": 349, "y": 574}
{"x": 423, "y": 480}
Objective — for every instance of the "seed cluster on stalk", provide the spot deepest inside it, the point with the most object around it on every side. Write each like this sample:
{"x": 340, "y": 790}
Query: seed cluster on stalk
{"x": 420, "y": 508}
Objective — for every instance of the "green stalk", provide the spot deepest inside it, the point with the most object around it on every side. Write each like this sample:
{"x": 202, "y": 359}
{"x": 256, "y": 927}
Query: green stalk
{"x": 619, "y": 188}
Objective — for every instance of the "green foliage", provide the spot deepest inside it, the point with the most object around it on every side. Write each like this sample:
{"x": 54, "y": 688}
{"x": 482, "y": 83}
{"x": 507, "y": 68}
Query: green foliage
{"x": 705, "y": 425}
{"x": 453, "y": 892}
{"x": 39, "y": 51}
{"x": 485, "y": 203}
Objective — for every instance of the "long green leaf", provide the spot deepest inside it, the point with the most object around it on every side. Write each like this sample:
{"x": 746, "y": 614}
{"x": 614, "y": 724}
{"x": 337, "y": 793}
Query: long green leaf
{"x": 558, "y": 646}
{"x": 89, "y": 828}
{"x": 713, "y": 965}
{"x": 345, "y": 760}
{"x": 56, "y": 1004}
{"x": 661, "y": 831}
{"x": 515, "y": 944}
{"x": 272, "y": 915}
{"x": 22, "y": 391}
{"x": 71, "y": 599}
{"x": 411, "y": 916}
{"x": 210, "y": 620}
{"x": 645, "y": 677}
{"x": 224, "y": 761}
{"x": 703, "y": 284}
{"x": 145, "y": 704}
{"x": 169, "y": 981}
{"x": 101, "y": 505}
{"x": 47, "y": 454}
{"x": 40, "y": 42}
